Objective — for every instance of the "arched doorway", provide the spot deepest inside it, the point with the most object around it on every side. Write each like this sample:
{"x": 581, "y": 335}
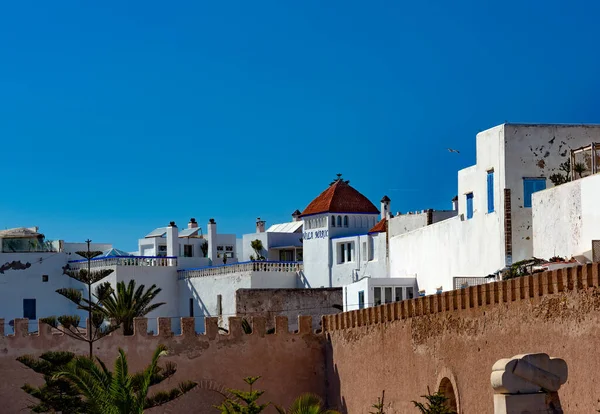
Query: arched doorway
{"x": 447, "y": 389}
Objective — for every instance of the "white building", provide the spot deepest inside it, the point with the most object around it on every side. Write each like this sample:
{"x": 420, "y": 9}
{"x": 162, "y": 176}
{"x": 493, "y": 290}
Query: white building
{"x": 190, "y": 245}
{"x": 493, "y": 228}
{"x": 369, "y": 292}
{"x": 566, "y": 220}
{"x": 333, "y": 224}
{"x": 345, "y": 244}
{"x": 31, "y": 270}
{"x": 281, "y": 242}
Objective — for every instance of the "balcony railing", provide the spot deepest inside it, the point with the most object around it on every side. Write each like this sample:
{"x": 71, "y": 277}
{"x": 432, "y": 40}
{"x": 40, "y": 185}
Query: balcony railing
{"x": 259, "y": 266}
{"x": 98, "y": 262}
{"x": 465, "y": 282}
{"x": 27, "y": 245}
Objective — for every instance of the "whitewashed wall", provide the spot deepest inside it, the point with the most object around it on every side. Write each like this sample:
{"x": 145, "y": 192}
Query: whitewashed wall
{"x": 406, "y": 223}
{"x": 435, "y": 254}
{"x": 537, "y": 151}
{"x": 317, "y": 253}
{"x": 457, "y": 246}
{"x": 164, "y": 277}
{"x": 205, "y": 291}
{"x": 369, "y": 263}
{"x": 319, "y": 249}
{"x": 367, "y": 285}
{"x": 71, "y": 248}
{"x": 566, "y": 219}
{"x": 16, "y": 285}
{"x": 270, "y": 240}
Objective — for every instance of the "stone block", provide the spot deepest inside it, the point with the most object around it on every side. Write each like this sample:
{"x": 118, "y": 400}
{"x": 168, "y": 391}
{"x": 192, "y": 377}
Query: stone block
{"x": 527, "y": 374}
{"x": 520, "y": 403}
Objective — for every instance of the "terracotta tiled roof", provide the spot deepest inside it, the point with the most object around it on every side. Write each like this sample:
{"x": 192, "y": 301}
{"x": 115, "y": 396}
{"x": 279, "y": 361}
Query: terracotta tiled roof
{"x": 380, "y": 227}
{"x": 340, "y": 197}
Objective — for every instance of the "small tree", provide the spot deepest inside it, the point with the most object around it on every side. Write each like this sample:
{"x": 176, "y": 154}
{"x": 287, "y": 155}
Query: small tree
{"x": 204, "y": 248}
{"x": 379, "y": 406}
{"x": 119, "y": 392}
{"x": 56, "y": 394}
{"x": 69, "y": 324}
{"x": 579, "y": 168}
{"x": 306, "y": 404}
{"x": 436, "y": 404}
{"x": 245, "y": 402}
{"x": 560, "y": 178}
{"x": 257, "y": 246}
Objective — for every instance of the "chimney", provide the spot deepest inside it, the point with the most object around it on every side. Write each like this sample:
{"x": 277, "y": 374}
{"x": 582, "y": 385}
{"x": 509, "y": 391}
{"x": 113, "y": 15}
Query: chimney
{"x": 385, "y": 207}
{"x": 455, "y": 203}
{"x": 296, "y": 215}
{"x": 172, "y": 240}
{"x": 212, "y": 240}
{"x": 193, "y": 224}
{"x": 260, "y": 225}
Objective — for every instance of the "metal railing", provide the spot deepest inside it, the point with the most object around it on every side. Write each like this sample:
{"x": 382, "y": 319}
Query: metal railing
{"x": 97, "y": 262}
{"x": 465, "y": 282}
{"x": 258, "y": 266}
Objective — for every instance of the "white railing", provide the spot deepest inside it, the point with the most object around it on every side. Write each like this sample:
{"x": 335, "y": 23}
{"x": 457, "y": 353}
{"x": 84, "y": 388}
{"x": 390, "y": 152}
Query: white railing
{"x": 261, "y": 266}
{"x": 98, "y": 262}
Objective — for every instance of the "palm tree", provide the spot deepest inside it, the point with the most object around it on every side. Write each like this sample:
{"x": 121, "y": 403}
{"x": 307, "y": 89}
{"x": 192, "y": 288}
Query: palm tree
{"x": 126, "y": 303}
{"x": 306, "y": 404}
{"x": 119, "y": 392}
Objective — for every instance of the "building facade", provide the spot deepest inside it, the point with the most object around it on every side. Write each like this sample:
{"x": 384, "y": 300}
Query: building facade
{"x": 493, "y": 228}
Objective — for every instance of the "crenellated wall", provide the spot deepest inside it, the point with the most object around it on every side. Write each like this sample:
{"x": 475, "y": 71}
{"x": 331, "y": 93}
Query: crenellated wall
{"x": 289, "y": 363}
{"x": 448, "y": 341}
{"x": 405, "y": 347}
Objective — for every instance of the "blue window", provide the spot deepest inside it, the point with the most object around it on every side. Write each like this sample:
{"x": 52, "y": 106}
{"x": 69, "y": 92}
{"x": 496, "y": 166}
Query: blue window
{"x": 490, "y": 191}
{"x": 530, "y": 186}
{"x": 332, "y": 221}
{"x": 339, "y": 221}
{"x": 29, "y": 309}
{"x": 469, "y": 206}
{"x": 361, "y": 299}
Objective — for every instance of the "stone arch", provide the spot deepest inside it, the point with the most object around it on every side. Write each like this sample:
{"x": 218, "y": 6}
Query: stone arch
{"x": 447, "y": 388}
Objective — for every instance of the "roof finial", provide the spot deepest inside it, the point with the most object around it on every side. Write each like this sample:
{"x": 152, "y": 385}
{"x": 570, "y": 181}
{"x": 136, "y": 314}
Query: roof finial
{"x": 338, "y": 179}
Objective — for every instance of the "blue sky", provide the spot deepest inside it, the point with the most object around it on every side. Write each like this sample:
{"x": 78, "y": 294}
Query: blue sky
{"x": 118, "y": 117}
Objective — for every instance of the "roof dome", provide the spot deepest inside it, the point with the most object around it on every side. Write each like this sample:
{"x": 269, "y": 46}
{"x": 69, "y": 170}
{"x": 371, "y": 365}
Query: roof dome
{"x": 340, "y": 197}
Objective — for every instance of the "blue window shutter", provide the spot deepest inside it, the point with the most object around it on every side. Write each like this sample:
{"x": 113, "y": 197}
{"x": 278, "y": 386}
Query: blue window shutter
{"x": 530, "y": 186}
{"x": 490, "y": 191}
{"x": 540, "y": 184}
{"x": 469, "y": 206}
{"x": 527, "y": 191}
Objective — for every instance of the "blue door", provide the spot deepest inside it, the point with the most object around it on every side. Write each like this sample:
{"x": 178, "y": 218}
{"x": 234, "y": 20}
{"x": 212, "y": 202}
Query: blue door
{"x": 469, "y": 206}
